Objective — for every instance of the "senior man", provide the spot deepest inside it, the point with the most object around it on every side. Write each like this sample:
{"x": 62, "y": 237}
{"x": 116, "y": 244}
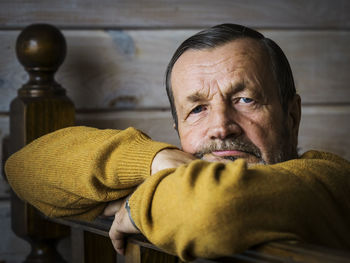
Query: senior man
{"x": 235, "y": 107}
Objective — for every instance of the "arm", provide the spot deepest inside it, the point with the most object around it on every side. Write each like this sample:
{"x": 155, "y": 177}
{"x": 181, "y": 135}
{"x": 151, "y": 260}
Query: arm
{"x": 122, "y": 223}
{"x": 75, "y": 171}
{"x": 214, "y": 209}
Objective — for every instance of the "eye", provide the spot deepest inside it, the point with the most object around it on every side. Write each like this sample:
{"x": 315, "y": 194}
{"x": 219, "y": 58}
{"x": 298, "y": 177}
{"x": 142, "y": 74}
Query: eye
{"x": 246, "y": 100}
{"x": 198, "y": 109}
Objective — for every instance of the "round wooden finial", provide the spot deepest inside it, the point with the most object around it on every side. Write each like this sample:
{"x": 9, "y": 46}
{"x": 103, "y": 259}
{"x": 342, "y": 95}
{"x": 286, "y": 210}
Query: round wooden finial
{"x": 41, "y": 46}
{"x": 41, "y": 49}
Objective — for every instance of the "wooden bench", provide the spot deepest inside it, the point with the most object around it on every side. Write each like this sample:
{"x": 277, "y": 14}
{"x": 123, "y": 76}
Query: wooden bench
{"x": 42, "y": 107}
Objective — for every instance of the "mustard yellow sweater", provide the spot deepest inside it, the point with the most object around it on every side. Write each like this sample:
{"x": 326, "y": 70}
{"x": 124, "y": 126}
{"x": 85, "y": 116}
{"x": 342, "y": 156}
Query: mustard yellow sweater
{"x": 197, "y": 210}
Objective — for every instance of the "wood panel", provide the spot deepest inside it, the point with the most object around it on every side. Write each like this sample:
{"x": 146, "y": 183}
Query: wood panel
{"x": 326, "y": 128}
{"x": 320, "y": 61}
{"x": 4, "y": 131}
{"x": 322, "y": 127}
{"x": 179, "y": 14}
{"x": 157, "y": 124}
{"x": 125, "y": 69}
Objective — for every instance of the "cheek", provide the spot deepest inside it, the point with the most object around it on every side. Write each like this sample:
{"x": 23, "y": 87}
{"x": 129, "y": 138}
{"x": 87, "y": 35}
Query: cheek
{"x": 191, "y": 138}
{"x": 254, "y": 131}
{"x": 261, "y": 131}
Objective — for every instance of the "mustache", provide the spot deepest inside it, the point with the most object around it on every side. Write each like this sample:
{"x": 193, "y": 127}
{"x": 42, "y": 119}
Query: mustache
{"x": 229, "y": 144}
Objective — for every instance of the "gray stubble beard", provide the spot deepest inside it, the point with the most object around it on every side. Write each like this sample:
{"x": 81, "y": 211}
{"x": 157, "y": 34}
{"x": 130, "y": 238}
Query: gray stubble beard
{"x": 286, "y": 150}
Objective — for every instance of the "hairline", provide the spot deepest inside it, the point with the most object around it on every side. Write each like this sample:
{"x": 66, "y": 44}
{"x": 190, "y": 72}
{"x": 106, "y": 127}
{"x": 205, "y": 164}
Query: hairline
{"x": 262, "y": 43}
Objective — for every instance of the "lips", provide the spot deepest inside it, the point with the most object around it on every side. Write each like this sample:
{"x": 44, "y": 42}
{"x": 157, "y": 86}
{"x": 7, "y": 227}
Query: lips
{"x": 227, "y": 153}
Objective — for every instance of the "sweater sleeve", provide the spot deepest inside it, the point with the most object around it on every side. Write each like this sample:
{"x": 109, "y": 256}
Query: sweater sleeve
{"x": 213, "y": 209}
{"x": 74, "y": 171}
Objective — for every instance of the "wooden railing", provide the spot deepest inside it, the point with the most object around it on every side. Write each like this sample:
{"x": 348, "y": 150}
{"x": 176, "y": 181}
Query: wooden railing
{"x": 140, "y": 250}
{"x": 42, "y": 107}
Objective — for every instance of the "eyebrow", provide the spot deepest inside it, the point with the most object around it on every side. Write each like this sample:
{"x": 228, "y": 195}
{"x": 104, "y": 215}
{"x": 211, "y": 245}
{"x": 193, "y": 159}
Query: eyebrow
{"x": 200, "y": 96}
{"x": 197, "y": 96}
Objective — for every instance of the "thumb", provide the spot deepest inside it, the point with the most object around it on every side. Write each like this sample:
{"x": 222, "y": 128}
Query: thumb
{"x": 113, "y": 207}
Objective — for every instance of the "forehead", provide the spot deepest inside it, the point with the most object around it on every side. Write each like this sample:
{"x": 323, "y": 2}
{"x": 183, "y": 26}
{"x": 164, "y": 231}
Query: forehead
{"x": 243, "y": 51}
{"x": 245, "y": 59}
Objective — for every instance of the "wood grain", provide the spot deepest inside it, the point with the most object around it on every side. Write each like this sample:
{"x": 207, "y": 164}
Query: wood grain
{"x": 279, "y": 251}
{"x": 325, "y": 128}
{"x": 176, "y": 14}
{"x": 98, "y": 248}
{"x": 320, "y": 61}
{"x": 322, "y": 127}
{"x": 4, "y": 131}
{"x": 125, "y": 69}
{"x": 157, "y": 124}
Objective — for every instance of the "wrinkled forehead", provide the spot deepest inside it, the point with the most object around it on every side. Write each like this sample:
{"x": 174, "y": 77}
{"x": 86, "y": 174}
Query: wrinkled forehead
{"x": 246, "y": 50}
{"x": 244, "y": 56}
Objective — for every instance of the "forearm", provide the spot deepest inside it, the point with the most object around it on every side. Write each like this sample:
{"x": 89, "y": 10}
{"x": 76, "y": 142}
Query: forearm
{"x": 209, "y": 210}
{"x": 74, "y": 171}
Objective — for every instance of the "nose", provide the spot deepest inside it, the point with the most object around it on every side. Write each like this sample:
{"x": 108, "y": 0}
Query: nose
{"x": 222, "y": 123}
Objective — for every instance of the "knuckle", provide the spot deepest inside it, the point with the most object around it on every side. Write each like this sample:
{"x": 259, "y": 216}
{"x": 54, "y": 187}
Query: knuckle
{"x": 118, "y": 219}
{"x": 111, "y": 234}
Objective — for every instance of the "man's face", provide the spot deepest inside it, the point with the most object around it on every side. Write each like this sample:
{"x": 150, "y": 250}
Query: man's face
{"x": 228, "y": 106}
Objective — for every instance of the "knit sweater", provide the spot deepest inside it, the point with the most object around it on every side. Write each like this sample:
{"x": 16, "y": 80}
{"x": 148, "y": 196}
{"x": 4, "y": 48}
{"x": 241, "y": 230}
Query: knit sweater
{"x": 200, "y": 209}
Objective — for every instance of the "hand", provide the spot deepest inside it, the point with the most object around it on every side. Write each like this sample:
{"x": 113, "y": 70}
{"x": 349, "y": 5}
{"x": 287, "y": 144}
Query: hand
{"x": 121, "y": 225}
{"x": 170, "y": 158}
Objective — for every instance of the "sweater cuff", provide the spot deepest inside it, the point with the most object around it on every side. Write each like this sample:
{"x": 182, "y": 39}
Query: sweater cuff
{"x": 127, "y": 207}
{"x": 140, "y": 201}
{"x": 138, "y": 156}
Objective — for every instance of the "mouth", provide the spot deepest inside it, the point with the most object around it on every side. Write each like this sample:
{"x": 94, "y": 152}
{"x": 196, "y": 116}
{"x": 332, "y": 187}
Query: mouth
{"x": 234, "y": 153}
{"x": 229, "y": 150}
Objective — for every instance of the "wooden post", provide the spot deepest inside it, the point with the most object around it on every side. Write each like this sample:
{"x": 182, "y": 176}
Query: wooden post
{"x": 98, "y": 248}
{"x": 40, "y": 107}
{"x": 133, "y": 253}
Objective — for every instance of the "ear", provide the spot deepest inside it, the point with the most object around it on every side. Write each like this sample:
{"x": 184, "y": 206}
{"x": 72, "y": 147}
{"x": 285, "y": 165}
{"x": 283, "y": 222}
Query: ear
{"x": 174, "y": 126}
{"x": 294, "y": 116}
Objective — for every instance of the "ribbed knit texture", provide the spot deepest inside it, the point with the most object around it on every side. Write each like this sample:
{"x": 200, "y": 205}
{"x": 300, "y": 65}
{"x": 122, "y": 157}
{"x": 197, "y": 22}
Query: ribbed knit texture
{"x": 75, "y": 171}
{"x": 197, "y": 210}
{"x": 213, "y": 209}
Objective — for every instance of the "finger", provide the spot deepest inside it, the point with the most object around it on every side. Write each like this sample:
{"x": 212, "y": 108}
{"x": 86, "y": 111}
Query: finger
{"x": 117, "y": 238}
{"x": 113, "y": 207}
{"x": 120, "y": 226}
{"x": 116, "y": 232}
{"x": 119, "y": 244}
